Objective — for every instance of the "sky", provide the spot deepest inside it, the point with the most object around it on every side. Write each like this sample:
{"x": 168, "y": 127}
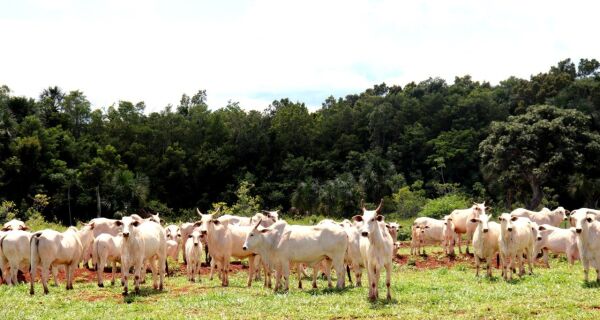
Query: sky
{"x": 254, "y": 52}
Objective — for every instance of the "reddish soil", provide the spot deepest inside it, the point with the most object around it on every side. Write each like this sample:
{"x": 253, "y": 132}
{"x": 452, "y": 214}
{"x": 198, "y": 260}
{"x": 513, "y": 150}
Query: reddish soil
{"x": 432, "y": 260}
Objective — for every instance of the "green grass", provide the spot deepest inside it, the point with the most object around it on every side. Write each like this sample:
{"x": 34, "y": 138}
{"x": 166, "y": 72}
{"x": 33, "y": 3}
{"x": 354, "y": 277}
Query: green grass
{"x": 442, "y": 292}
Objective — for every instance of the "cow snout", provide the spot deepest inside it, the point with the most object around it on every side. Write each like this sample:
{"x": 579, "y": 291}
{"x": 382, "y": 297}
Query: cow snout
{"x": 485, "y": 230}
{"x": 539, "y": 238}
{"x": 126, "y": 234}
{"x": 244, "y": 248}
{"x": 364, "y": 234}
{"x": 195, "y": 244}
{"x": 203, "y": 232}
{"x": 578, "y": 230}
{"x": 509, "y": 229}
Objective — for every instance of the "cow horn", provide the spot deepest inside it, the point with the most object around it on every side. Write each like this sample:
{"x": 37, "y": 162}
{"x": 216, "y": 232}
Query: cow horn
{"x": 378, "y": 210}
{"x": 362, "y": 204}
{"x": 199, "y": 213}
{"x": 258, "y": 224}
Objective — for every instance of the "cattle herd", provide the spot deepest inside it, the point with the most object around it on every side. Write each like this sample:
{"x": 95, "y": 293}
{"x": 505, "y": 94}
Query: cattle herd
{"x": 271, "y": 245}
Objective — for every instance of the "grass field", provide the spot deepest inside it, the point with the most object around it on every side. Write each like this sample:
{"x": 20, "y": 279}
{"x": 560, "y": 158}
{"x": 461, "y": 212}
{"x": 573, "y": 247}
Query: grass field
{"x": 419, "y": 293}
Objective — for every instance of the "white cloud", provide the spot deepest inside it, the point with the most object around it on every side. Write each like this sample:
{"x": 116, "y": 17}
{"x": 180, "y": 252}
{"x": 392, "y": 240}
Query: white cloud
{"x": 242, "y": 51}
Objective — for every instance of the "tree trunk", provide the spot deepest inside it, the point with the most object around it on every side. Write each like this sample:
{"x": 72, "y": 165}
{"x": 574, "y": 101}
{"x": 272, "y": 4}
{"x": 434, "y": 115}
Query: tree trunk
{"x": 99, "y": 207}
{"x": 69, "y": 201}
{"x": 537, "y": 193}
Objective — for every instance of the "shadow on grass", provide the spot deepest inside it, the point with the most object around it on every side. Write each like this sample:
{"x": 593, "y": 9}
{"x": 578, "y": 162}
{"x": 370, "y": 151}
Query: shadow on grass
{"x": 318, "y": 292}
{"x": 144, "y": 292}
{"x": 382, "y": 303}
{"x": 590, "y": 285}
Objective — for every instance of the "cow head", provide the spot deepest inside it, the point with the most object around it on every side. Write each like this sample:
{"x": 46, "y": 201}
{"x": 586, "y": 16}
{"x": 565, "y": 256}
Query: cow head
{"x": 129, "y": 225}
{"x": 483, "y": 221}
{"x": 506, "y": 221}
{"x": 195, "y": 237}
{"x": 207, "y": 222}
{"x": 256, "y": 237}
{"x": 271, "y": 215}
{"x": 369, "y": 220}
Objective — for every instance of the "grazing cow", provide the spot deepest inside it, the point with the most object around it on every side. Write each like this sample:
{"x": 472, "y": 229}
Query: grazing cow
{"x": 557, "y": 240}
{"x": 545, "y": 216}
{"x": 107, "y": 249}
{"x": 144, "y": 242}
{"x": 14, "y": 254}
{"x": 461, "y": 218}
{"x": 193, "y": 251}
{"x": 282, "y": 244}
{"x": 376, "y": 248}
{"x": 13, "y": 225}
{"x": 517, "y": 238}
{"x": 486, "y": 244}
{"x": 50, "y": 248}
{"x": 587, "y": 228}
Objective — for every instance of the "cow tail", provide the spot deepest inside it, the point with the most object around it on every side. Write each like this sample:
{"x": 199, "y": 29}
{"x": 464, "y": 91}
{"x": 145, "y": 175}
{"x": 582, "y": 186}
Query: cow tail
{"x": 34, "y": 257}
{"x": 95, "y": 253}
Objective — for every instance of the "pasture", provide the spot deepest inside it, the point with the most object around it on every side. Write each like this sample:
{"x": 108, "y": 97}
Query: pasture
{"x": 423, "y": 287}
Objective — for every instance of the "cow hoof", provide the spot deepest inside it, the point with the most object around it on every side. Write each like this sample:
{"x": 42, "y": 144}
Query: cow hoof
{"x": 137, "y": 291}
{"x": 125, "y": 293}
{"x": 31, "y": 292}
{"x": 100, "y": 285}
{"x": 46, "y": 291}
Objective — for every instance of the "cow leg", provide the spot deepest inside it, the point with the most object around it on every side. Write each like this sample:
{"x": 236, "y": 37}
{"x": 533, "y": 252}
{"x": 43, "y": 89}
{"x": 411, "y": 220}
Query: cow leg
{"x": 338, "y": 266}
{"x": 70, "y": 275}
{"x": 125, "y": 275}
{"x": 162, "y": 263}
{"x": 488, "y": 261}
{"x": 212, "y": 268}
{"x": 299, "y": 270}
{"x": 45, "y": 275}
{"x": 154, "y": 269}
{"x": 250, "y": 269}
{"x": 113, "y": 272}
{"x": 285, "y": 270}
{"x": 586, "y": 268}
{"x": 267, "y": 270}
{"x": 459, "y": 236}
{"x": 388, "y": 279}
{"x": 139, "y": 266}
{"x": 327, "y": 265}
{"x": 14, "y": 272}
{"x": 357, "y": 273}
{"x": 100, "y": 271}
{"x": 545, "y": 258}
{"x": 55, "y": 275}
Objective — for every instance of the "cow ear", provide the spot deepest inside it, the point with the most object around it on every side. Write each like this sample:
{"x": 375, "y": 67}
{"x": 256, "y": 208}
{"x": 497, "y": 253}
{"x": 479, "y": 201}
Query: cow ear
{"x": 136, "y": 223}
{"x": 119, "y": 223}
{"x": 197, "y": 223}
{"x": 357, "y": 218}
{"x": 514, "y": 218}
{"x": 387, "y": 225}
{"x": 264, "y": 230}
{"x": 216, "y": 222}
{"x": 379, "y": 218}
{"x": 474, "y": 220}
{"x": 5, "y": 229}
{"x": 24, "y": 228}
{"x": 541, "y": 228}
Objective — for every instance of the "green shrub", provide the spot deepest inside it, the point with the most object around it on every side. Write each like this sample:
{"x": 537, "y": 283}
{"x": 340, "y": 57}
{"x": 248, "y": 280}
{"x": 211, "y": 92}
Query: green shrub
{"x": 439, "y": 207}
{"x": 409, "y": 200}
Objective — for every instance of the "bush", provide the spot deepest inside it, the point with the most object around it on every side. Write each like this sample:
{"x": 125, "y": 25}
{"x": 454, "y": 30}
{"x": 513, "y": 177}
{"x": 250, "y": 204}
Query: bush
{"x": 409, "y": 200}
{"x": 439, "y": 207}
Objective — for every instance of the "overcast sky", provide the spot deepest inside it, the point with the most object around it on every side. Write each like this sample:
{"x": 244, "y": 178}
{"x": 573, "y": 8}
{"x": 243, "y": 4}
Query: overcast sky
{"x": 257, "y": 51}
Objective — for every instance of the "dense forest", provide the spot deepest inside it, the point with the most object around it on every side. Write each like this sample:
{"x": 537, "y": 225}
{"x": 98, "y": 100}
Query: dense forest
{"x": 522, "y": 142}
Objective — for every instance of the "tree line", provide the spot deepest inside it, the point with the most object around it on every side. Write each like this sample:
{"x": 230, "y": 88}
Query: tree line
{"x": 521, "y": 142}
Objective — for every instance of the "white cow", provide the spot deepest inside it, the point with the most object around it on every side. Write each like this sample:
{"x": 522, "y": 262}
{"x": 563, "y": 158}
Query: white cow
{"x": 144, "y": 242}
{"x": 486, "y": 245}
{"x": 282, "y": 244}
{"x": 393, "y": 229}
{"x": 461, "y": 218}
{"x": 517, "y": 237}
{"x": 14, "y": 225}
{"x": 14, "y": 254}
{"x": 376, "y": 248}
{"x": 353, "y": 255}
{"x": 50, "y": 248}
{"x": 107, "y": 249}
{"x": 193, "y": 251}
{"x": 433, "y": 231}
{"x": 557, "y": 240}
{"x": 587, "y": 228}
{"x": 544, "y": 216}
{"x": 228, "y": 241}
